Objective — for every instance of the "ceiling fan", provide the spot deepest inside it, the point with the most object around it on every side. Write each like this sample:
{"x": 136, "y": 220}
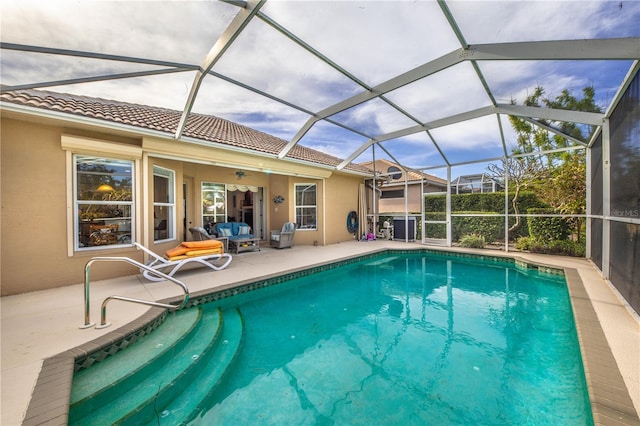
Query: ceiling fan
{"x": 240, "y": 174}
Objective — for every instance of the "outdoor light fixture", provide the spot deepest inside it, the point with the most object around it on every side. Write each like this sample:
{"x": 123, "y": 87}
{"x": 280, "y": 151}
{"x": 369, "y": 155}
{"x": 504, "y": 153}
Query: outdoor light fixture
{"x": 278, "y": 199}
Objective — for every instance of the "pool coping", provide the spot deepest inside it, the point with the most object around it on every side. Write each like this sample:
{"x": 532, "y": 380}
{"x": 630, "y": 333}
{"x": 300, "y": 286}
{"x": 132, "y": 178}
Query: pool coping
{"x": 610, "y": 401}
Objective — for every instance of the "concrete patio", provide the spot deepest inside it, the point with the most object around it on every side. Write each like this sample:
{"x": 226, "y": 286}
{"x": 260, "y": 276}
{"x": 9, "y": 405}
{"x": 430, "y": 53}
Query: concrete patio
{"x": 41, "y": 324}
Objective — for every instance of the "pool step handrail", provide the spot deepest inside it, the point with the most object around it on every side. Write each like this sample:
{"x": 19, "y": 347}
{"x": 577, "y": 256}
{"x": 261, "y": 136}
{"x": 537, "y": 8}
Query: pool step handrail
{"x": 103, "y": 309}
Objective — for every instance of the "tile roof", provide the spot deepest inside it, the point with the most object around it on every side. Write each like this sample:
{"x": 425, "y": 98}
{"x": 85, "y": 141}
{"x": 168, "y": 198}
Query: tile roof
{"x": 206, "y": 128}
{"x": 382, "y": 165}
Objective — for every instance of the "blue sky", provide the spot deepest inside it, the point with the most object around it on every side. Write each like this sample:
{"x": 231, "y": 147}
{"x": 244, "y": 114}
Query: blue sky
{"x": 371, "y": 41}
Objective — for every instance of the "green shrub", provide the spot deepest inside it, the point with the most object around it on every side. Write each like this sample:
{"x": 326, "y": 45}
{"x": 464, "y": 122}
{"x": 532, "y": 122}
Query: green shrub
{"x": 548, "y": 228}
{"x": 492, "y": 202}
{"x": 435, "y": 230}
{"x": 524, "y": 243}
{"x": 558, "y": 247}
{"x": 491, "y": 228}
{"x": 472, "y": 241}
{"x": 487, "y": 202}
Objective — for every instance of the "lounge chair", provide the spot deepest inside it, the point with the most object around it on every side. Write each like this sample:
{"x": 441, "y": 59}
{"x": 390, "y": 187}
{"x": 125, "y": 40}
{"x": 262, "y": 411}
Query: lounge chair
{"x": 207, "y": 253}
{"x": 284, "y": 237}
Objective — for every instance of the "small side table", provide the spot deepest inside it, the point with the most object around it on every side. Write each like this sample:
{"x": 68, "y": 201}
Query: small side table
{"x": 245, "y": 244}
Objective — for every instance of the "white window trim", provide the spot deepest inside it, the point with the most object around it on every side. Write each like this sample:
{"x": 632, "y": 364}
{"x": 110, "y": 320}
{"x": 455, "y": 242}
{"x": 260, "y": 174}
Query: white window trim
{"x": 74, "y": 211}
{"x": 87, "y": 146}
{"x": 226, "y": 212}
{"x": 295, "y": 205}
{"x": 172, "y": 236}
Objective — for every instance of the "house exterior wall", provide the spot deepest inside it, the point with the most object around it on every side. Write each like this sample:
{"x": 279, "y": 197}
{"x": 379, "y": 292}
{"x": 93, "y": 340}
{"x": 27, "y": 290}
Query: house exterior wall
{"x": 341, "y": 198}
{"x": 37, "y": 201}
{"x": 281, "y": 213}
{"x": 307, "y": 236}
{"x": 396, "y": 205}
{"x": 34, "y": 232}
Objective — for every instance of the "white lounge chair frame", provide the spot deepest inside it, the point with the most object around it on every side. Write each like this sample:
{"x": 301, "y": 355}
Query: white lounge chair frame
{"x": 161, "y": 264}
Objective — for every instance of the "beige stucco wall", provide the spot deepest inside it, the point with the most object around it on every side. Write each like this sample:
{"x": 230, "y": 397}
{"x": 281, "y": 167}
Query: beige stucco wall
{"x": 341, "y": 198}
{"x": 34, "y": 230}
{"x": 397, "y": 205}
{"x": 336, "y": 197}
{"x": 279, "y": 214}
{"x": 35, "y": 233}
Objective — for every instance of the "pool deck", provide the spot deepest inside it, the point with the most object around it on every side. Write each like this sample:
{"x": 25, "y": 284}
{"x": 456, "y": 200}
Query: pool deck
{"x": 39, "y": 325}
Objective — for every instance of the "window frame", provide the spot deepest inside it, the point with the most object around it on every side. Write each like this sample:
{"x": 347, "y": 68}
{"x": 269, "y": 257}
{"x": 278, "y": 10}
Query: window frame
{"x": 203, "y": 200}
{"x": 392, "y": 194}
{"x": 102, "y": 240}
{"x": 169, "y": 174}
{"x": 302, "y": 210}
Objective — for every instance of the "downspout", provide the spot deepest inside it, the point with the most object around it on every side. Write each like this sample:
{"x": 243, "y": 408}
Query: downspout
{"x": 373, "y": 187}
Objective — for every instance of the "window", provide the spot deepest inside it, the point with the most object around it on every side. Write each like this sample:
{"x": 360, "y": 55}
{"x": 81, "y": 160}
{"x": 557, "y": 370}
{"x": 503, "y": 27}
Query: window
{"x": 393, "y": 193}
{"x": 306, "y": 206}
{"x": 214, "y": 206}
{"x": 103, "y": 200}
{"x": 394, "y": 173}
{"x": 164, "y": 207}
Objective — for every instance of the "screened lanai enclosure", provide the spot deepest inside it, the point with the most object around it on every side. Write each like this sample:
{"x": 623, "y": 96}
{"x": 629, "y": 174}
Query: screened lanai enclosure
{"x": 446, "y": 88}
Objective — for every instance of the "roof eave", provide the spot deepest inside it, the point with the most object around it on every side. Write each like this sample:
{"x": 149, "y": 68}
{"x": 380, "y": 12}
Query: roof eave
{"x": 144, "y": 132}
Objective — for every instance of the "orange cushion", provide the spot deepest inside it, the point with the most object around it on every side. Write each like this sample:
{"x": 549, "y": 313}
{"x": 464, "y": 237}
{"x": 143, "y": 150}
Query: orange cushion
{"x": 184, "y": 256}
{"x": 202, "y": 244}
{"x": 176, "y": 251}
{"x": 194, "y": 248}
{"x": 195, "y": 253}
{"x": 203, "y": 252}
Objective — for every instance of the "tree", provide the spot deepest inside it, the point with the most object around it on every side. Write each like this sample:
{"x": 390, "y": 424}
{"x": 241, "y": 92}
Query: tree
{"x": 522, "y": 172}
{"x": 560, "y": 177}
{"x": 566, "y": 190}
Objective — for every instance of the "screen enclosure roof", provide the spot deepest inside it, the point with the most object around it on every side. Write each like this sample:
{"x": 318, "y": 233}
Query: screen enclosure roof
{"x": 424, "y": 84}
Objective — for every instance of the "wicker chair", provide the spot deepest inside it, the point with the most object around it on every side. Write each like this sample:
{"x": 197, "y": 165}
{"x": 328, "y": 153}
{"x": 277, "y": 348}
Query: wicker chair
{"x": 284, "y": 237}
{"x": 198, "y": 233}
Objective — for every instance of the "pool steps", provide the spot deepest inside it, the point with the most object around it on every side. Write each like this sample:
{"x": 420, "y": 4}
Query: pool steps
{"x": 189, "y": 403}
{"x": 155, "y": 390}
{"x": 136, "y": 361}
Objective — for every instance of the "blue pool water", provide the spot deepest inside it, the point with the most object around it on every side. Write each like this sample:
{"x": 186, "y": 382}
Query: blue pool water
{"x": 411, "y": 339}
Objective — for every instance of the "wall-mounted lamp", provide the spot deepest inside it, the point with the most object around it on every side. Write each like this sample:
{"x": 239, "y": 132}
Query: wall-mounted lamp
{"x": 278, "y": 199}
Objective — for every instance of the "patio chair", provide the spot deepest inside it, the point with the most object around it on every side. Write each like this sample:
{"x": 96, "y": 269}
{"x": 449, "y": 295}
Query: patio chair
{"x": 208, "y": 253}
{"x": 284, "y": 237}
{"x": 198, "y": 233}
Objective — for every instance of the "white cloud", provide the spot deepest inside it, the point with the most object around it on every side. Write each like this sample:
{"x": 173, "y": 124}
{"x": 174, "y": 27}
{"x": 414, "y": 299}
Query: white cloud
{"x": 509, "y": 21}
{"x": 374, "y": 40}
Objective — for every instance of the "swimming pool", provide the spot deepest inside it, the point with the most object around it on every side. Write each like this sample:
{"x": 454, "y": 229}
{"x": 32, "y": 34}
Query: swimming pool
{"x": 402, "y": 339}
